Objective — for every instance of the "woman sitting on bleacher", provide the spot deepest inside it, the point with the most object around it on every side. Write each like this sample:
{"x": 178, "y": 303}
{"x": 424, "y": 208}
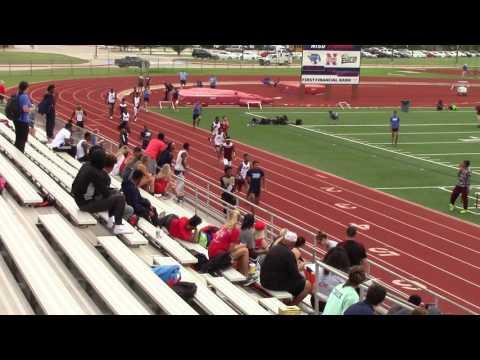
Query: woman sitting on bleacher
{"x": 181, "y": 228}
{"x": 148, "y": 181}
{"x": 279, "y": 271}
{"x": 131, "y": 162}
{"x": 93, "y": 195}
{"x": 141, "y": 206}
{"x": 225, "y": 247}
{"x": 121, "y": 158}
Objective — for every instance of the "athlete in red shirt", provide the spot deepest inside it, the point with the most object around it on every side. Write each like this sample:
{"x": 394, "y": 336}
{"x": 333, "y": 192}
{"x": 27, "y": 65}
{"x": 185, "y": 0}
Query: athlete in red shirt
{"x": 181, "y": 228}
{"x": 154, "y": 149}
{"x": 225, "y": 125}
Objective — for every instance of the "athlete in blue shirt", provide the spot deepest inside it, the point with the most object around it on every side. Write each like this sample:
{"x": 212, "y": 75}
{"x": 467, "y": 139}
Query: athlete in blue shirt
{"x": 197, "y": 113}
{"x": 395, "y": 126}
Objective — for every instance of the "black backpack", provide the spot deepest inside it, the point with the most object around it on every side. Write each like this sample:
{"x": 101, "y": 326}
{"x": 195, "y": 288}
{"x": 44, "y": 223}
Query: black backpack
{"x": 12, "y": 109}
{"x": 186, "y": 290}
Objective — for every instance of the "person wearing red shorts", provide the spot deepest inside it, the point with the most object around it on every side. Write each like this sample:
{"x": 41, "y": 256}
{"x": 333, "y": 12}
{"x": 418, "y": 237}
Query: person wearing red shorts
{"x": 225, "y": 125}
{"x": 462, "y": 187}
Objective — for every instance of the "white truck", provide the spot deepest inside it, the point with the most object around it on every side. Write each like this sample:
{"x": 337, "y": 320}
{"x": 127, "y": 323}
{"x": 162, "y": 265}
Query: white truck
{"x": 278, "y": 58}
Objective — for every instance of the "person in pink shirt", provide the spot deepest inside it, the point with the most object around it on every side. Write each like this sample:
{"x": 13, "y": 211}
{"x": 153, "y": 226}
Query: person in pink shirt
{"x": 226, "y": 243}
{"x": 154, "y": 149}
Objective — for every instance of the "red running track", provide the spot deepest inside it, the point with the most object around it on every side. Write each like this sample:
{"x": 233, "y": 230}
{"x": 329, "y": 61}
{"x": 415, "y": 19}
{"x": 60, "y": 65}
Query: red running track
{"x": 439, "y": 251}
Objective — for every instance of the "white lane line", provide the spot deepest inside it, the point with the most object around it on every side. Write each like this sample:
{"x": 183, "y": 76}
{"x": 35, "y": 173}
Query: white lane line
{"x": 373, "y": 145}
{"x": 410, "y": 133}
{"x": 386, "y": 125}
{"x": 418, "y": 143}
{"x": 449, "y": 154}
{"x": 350, "y": 112}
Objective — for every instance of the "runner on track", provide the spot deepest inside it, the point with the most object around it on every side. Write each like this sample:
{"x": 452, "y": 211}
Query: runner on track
{"x": 79, "y": 115}
{"x": 395, "y": 126}
{"x": 146, "y": 97}
{"x": 197, "y": 114}
{"x": 255, "y": 179}
{"x": 110, "y": 100}
{"x": 462, "y": 187}
{"x": 136, "y": 105}
{"x": 214, "y": 129}
{"x": 225, "y": 125}
{"x": 228, "y": 150}
{"x": 218, "y": 141}
{"x": 242, "y": 172}
{"x": 123, "y": 107}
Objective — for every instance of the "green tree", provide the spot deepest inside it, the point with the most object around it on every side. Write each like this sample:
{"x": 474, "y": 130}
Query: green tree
{"x": 179, "y": 48}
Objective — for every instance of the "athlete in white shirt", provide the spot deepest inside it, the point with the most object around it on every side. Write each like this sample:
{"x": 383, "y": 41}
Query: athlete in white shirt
{"x": 111, "y": 100}
{"x": 79, "y": 115}
{"x": 243, "y": 168}
{"x": 136, "y": 105}
{"x": 218, "y": 140}
{"x": 125, "y": 118}
{"x": 82, "y": 147}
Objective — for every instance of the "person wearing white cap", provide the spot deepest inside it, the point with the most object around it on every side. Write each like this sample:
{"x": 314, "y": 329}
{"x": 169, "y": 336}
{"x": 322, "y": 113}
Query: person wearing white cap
{"x": 280, "y": 272}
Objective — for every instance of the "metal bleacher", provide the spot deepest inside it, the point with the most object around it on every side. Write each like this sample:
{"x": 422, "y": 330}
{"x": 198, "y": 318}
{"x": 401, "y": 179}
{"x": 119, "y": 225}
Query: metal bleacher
{"x": 77, "y": 267}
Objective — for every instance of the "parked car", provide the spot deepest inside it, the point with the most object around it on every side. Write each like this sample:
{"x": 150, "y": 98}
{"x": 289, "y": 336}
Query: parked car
{"x": 226, "y": 55}
{"x": 203, "y": 54}
{"x": 367, "y": 54}
{"x": 132, "y": 61}
{"x": 250, "y": 56}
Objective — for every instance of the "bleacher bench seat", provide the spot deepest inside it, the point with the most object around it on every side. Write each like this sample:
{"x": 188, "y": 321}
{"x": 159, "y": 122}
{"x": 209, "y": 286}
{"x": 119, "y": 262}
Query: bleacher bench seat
{"x": 142, "y": 274}
{"x": 96, "y": 272}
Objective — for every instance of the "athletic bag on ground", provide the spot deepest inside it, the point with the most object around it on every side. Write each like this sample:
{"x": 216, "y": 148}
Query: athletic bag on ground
{"x": 186, "y": 290}
{"x": 12, "y": 109}
{"x": 170, "y": 274}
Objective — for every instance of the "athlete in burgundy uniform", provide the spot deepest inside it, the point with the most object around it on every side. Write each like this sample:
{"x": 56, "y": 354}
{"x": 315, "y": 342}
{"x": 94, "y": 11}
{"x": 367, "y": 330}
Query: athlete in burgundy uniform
{"x": 462, "y": 187}
{"x": 228, "y": 152}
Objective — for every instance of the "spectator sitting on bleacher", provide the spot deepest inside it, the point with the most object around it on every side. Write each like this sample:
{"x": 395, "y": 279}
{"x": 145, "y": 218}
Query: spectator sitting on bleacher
{"x": 225, "y": 247}
{"x": 355, "y": 250}
{"x": 298, "y": 253}
{"x": 375, "y": 296}
{"x": 324, "y": 242}
{"x": 82, "y": 147}
{"x": 345, "y": 295}
{"x": 2, "y": 92}
{"x": 63, "y": 140}
{"x": 246, "y": 234}
{"x": 181, "y": 228}
{"x": 121, "y": 159}
{"x": 89, "y": 183}
{"x": 131, "y": 162}
{"x": 400, "y": 310}
{"x": 141, "y": 206}
{"x": 164, "y": 182}
{"x": 279, "y": 270}
{"x": 148, "y": 181}
{"x": 337, "y": 258}
{"x": 107, "y": 169}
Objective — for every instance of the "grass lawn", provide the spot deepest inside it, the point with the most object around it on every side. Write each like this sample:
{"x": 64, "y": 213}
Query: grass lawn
{"x": 470, "y": 61}
{"x": 422, "y": 168}
{"x": 12, "y": 78}
{"x": 21, "y": 57}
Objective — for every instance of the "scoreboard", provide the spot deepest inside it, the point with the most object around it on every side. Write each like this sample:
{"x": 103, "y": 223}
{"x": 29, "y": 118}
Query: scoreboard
{"x": 331, "y": 64}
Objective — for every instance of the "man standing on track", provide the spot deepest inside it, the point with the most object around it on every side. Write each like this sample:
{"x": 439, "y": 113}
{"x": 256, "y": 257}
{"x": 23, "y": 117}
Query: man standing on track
{"x": 183, "y": 78}
{"x": 197, "y": 114}
{"x": 255, "y": 179}
{"x": 462, "y": 187}
{"x": 395, "y": 126}
{"x": 111, "y": 100}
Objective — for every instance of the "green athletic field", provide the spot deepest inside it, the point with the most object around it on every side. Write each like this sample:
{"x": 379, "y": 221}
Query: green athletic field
{"x": 22, "y": 57}
{"x": 422, "y": 168}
